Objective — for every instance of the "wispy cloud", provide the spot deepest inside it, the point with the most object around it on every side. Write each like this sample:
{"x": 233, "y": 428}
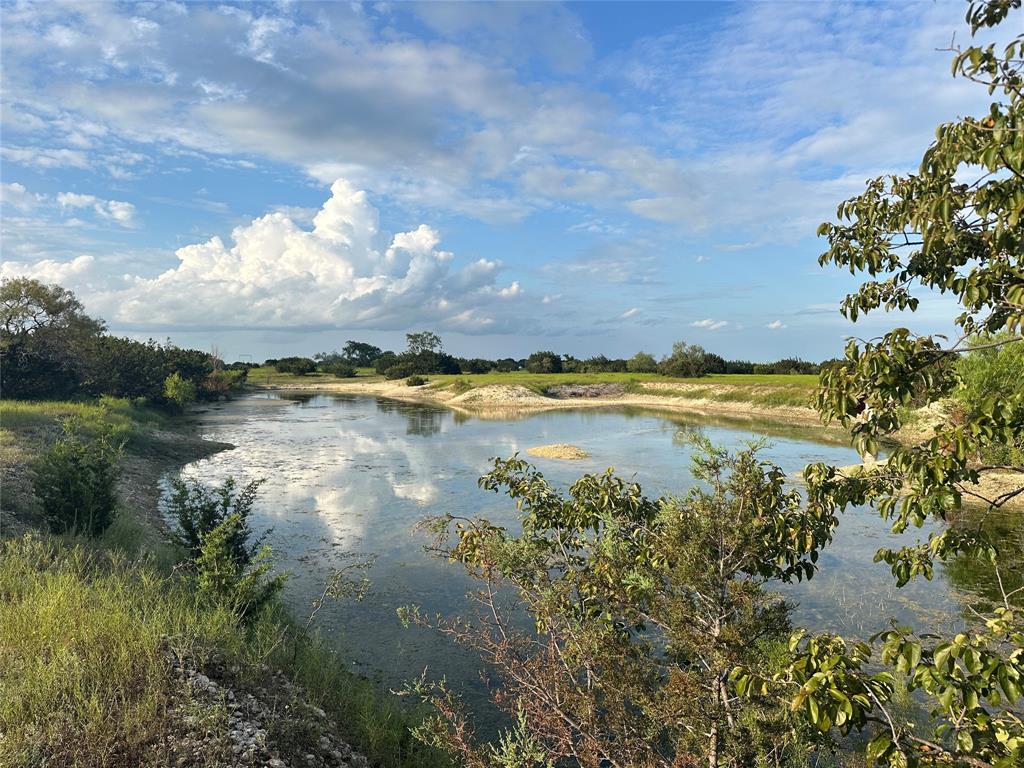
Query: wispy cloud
{"x": 709, "y": 324}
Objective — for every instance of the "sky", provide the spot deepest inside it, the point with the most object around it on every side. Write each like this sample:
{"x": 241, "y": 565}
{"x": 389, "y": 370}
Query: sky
{"x": 278, "y": 178}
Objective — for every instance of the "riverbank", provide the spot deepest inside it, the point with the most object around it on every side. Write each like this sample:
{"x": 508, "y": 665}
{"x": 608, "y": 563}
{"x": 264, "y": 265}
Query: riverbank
{"x": 110, "y": 656}
{"x": 786, "y": 399}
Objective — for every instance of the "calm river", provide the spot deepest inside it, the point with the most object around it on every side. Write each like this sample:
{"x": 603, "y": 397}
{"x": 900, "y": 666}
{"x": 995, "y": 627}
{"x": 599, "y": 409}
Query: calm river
{"x": 356, "y": 473}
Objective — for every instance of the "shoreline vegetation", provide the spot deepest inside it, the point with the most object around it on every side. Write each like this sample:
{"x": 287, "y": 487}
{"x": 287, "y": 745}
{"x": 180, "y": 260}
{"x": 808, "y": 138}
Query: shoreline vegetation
{"x": 153, "y": 673}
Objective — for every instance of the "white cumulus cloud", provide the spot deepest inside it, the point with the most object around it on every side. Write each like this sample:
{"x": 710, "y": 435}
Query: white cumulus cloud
{"x": 776, "y": 325}
{"x": 344, "y": 272}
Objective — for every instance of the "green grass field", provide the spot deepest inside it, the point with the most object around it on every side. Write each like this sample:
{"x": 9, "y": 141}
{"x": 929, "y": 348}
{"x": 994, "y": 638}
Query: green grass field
{"x": 758, "y": 389}
{"x": 268, "y": 377}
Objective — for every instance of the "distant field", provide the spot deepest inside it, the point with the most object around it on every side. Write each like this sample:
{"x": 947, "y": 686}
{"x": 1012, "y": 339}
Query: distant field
{"x": 541, "y": 381}
{"x": 268, "y": 377}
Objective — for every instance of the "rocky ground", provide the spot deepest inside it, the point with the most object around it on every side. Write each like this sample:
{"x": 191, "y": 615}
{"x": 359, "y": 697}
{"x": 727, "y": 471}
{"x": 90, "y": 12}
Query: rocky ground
{"x": 268, "y": 725}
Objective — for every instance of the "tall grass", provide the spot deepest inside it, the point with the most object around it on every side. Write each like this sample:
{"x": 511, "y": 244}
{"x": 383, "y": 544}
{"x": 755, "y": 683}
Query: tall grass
{"x": 83, "y": 678}
{"x": 121, "y": 416}
{"x": 85, "y": 634}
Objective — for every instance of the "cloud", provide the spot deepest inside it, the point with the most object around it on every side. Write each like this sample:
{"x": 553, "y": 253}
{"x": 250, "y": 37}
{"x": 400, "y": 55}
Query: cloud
{"x": 117, "y": 211}
{"x": 344, "y": 272}
{"x": 709, "y": 324}
{"x": 16, "y": 196}
{"x": 633, "y": 312}
{"x": 49, "y": 270}
{"x": 45, "y": 157}
{"x": 776, "y": 325}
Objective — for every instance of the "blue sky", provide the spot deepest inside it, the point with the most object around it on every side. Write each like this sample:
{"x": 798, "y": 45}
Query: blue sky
{"x": 591, "y": 177}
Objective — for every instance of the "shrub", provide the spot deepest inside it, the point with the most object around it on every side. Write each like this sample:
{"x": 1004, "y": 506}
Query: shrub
{"x": 988, "y": 373}
{"x": 220, "y": 384}
{"x": 415, "y": 381}
{"x": 398, "y": 371}
{"x": 196, "y": 511}
{"x": 75, "y": 481}
{"x": 178, "y": 390}
{"x": 384, "y": 362}
{"x": 231, "y": 572}
{"x": 642, "y": 608}
{"x": 340, "y": 369}
{"x": 299, "y": 366}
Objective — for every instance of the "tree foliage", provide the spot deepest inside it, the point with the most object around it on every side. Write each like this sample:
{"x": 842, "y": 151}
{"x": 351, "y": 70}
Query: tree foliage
{"x": 640, "y": 610}
{"x": 544, "y": 361}
{"x": 45, "y": 336}
{"x": 955, "y": 226}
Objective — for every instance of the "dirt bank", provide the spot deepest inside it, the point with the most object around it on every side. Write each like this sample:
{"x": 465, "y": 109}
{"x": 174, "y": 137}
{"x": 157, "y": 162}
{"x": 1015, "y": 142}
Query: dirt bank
{"x": 512, "y": 397}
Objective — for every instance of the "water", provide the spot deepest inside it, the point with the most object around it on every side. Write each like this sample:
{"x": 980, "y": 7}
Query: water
{"x": 355, "y": 474}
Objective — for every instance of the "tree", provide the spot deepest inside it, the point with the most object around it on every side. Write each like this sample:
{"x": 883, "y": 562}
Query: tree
{"x": 954, "y": 226}
{"x": 44, "y": 338}
{"x": 544, "y": 362}
{"x": 424, "y": 341}
{"x": 179, "y": 391}
{"x": 642, "y": 362}
{"x": 360, "y": 354}
{"x": 686, "y": 361}
{"x": 640, "y": 609}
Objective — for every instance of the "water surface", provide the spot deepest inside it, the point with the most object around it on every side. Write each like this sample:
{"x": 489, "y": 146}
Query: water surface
{"x": 349, "y": 473}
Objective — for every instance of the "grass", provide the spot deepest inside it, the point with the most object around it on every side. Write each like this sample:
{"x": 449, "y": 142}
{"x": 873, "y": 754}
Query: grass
{"x": 269, "y": 377}
{"x": 85, "y": 638}
{"x": 82, "y": 677}
{"x": 123, "y": 417}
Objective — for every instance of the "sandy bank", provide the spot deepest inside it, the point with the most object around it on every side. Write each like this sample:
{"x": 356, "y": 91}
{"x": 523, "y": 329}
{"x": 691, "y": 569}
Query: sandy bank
{"x": 508, "y": 398}
{"x": 558, "y": 451}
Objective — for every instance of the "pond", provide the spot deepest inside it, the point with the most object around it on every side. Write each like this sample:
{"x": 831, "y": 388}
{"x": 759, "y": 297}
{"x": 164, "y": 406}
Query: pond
{"x": 357, "y": 473}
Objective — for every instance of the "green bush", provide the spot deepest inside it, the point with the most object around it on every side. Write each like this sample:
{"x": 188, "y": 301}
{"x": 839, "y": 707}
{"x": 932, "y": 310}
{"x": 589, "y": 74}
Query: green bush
{"x": 75, "y": 481}
{"x": 243, "y": 583}
{"x": 179, "y": 390}
{"x": 196, "y": 511}
{"x": 299, "y": 366}
{"x": 415, "y": 381}
{"x": 340, "y": 369}
{"x": 985, "y": 374}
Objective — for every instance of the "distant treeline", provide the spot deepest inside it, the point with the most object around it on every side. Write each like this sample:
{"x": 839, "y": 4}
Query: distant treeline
{"x": 50, "y": 349}
{"x": 425, "y": 355}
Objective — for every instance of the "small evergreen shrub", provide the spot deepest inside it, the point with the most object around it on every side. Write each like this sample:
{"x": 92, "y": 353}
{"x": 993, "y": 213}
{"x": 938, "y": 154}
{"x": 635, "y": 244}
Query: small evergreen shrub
{"x": 415, "y": 381}
{"x": 75, "y": 481}
{"x": 340, "y": 369}
{"x": 243, "y": 584}
{"x": 196, "y": 511}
